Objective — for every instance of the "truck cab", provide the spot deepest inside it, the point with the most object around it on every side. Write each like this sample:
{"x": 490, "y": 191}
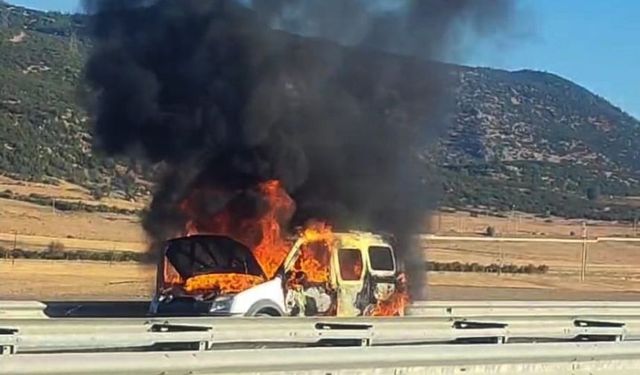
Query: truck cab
{"x": 350, "y": 274}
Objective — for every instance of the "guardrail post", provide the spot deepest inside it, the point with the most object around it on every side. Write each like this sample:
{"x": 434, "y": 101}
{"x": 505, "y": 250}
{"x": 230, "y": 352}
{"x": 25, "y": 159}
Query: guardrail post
{"x": 7, "y": 349}
{"x": 205, "y": 345}
{"x": 8, "y": 341}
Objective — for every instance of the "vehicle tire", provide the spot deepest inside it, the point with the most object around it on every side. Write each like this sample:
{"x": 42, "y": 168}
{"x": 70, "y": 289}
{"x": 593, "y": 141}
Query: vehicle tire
{"x": 264, "y": 308}
{"x": 266, "y": 313}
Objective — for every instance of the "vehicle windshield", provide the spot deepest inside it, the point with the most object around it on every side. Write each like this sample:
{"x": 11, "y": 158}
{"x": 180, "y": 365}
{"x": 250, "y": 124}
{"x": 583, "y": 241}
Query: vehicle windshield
{"x": 198, "y": 255}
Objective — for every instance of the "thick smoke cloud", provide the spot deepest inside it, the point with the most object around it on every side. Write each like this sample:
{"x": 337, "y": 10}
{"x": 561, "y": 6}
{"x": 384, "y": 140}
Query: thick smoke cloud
{"x": 227, "y": 94}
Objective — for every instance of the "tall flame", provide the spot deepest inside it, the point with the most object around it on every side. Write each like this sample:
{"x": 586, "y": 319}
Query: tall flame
{"x": 263, "y": 233}
{"x": 273, "y": 248}
{"x": 315, "y": 255}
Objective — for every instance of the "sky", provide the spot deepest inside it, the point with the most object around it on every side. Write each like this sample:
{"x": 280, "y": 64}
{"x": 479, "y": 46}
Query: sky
{"x": 595, "y": 43}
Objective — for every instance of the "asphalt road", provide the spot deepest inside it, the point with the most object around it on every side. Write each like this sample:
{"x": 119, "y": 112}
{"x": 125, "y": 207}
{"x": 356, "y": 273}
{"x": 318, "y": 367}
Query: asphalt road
{"x": 94, "y": 309}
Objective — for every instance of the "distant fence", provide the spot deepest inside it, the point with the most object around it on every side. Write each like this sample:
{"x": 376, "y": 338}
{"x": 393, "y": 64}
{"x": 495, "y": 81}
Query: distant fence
{"x": 603, "y": 256}
{"x": 23, "y": 241}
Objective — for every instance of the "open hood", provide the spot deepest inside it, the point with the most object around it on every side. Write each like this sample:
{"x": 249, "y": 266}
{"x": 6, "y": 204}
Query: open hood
{"x": 211, "y": 254}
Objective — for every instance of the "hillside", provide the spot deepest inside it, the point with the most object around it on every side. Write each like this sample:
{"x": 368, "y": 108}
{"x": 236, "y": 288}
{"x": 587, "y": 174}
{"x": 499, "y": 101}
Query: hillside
{"x": 525, "y": 140}
{"x": 536, "y": 142}
{"x": 43, "y": 129}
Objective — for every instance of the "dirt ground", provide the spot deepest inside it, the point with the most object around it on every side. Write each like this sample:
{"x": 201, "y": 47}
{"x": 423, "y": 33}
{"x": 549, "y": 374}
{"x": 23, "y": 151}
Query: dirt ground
{"x": 72, "y": 280}
{"x": 621, "y": 258}
{"x": 523, "y": 224}
{"x": 612, "y": 271}
{"x": 65, "y": 191}
{"x": 33, "y": 227}
{"x": 36, "y": 226}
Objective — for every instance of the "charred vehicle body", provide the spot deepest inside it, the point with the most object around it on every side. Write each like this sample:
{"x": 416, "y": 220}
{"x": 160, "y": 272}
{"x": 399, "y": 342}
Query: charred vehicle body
{"x": 350, "y": 274}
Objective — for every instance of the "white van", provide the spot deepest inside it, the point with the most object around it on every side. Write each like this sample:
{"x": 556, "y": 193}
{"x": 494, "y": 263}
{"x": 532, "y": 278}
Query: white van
{"x": 361, "y": 276}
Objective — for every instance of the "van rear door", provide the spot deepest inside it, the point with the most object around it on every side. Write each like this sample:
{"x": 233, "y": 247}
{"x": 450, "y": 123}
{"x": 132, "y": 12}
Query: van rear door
{"x": 349, "y": 273}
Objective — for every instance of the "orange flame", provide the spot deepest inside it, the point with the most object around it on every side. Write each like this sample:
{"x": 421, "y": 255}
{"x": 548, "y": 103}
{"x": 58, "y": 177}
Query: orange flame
{"x": 224, "y": 283}
{"x": 396, "y": 304}
{"x": 170, "y": 276}
{"x": 315, "y": 254}
{"x": 317, "y": 231}
{"x": 273, "y": 248}
{"x": 262, "y": 233}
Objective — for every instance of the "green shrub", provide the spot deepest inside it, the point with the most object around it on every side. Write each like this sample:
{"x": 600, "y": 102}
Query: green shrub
{"x": 51, "y": 254}
{"x": 55, "y": 247}
{"x": 492, "y": 268}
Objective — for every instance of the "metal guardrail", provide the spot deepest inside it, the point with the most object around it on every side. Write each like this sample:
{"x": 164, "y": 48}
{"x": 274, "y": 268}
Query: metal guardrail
{"x": 526, "y": 359}
{"x": 34, "y": 309}
{"x": 428, "y": 322}
{"x": 99, "y": 334}
{"x": 22, "y": 309}
{"x": 523, "y": 308}
{"x": 81, "y": 334}
{"x": 32, "y": 343}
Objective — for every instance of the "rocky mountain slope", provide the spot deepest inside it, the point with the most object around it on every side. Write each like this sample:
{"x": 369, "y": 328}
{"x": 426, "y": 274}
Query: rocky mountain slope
{"x": 524, "y": 140}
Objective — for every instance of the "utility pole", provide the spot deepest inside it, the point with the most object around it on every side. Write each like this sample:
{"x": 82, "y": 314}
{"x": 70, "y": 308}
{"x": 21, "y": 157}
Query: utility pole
{"x": 501, "y": 258}
{"x": 4, "y": 19}
{"x": 73, "y": 43}
{"x": 583, "y": 266}
{"x": 15, "y": 244}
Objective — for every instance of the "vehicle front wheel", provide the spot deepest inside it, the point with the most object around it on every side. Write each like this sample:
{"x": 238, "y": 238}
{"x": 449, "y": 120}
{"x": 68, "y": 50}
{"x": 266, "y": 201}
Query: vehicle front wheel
{"x": 266, "y": 313}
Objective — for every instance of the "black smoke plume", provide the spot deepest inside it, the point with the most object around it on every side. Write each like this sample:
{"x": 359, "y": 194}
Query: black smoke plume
{"x": 225, "y": 94}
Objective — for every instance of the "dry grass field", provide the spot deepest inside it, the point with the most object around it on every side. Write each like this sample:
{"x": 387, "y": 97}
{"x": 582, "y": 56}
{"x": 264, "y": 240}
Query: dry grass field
{"x": 525, "y": 225}
{"x": 64, "y": 191}
{"x": 612, "y": 267}
{"x": 73, "y": 280}
{"x": 34, "y": 227}
{"x": 621, "y": 257}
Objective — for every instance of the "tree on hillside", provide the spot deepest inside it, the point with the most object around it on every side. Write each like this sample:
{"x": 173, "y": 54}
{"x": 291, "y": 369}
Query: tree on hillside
{"x": 593, "y": 193}
{"x": 4, "y": 17}
{"x": 491, "y": 231}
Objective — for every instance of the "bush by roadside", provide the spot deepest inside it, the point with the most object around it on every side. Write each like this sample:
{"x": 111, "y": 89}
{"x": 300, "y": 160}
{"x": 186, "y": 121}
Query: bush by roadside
{"x": 492, "y": 268}
{"x": 53, "y": 254}
{"x": 66, "y": 205}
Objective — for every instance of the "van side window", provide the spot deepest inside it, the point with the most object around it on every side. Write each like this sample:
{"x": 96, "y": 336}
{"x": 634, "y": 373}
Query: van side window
{"x": 350, "y": 264}
{"x": 381, "y": 258}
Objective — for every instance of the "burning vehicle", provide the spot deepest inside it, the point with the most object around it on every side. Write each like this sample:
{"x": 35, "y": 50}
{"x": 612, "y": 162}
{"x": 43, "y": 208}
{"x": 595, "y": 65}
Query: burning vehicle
{"x": 240, "y": 259}
{"x": 323, "y": 274}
